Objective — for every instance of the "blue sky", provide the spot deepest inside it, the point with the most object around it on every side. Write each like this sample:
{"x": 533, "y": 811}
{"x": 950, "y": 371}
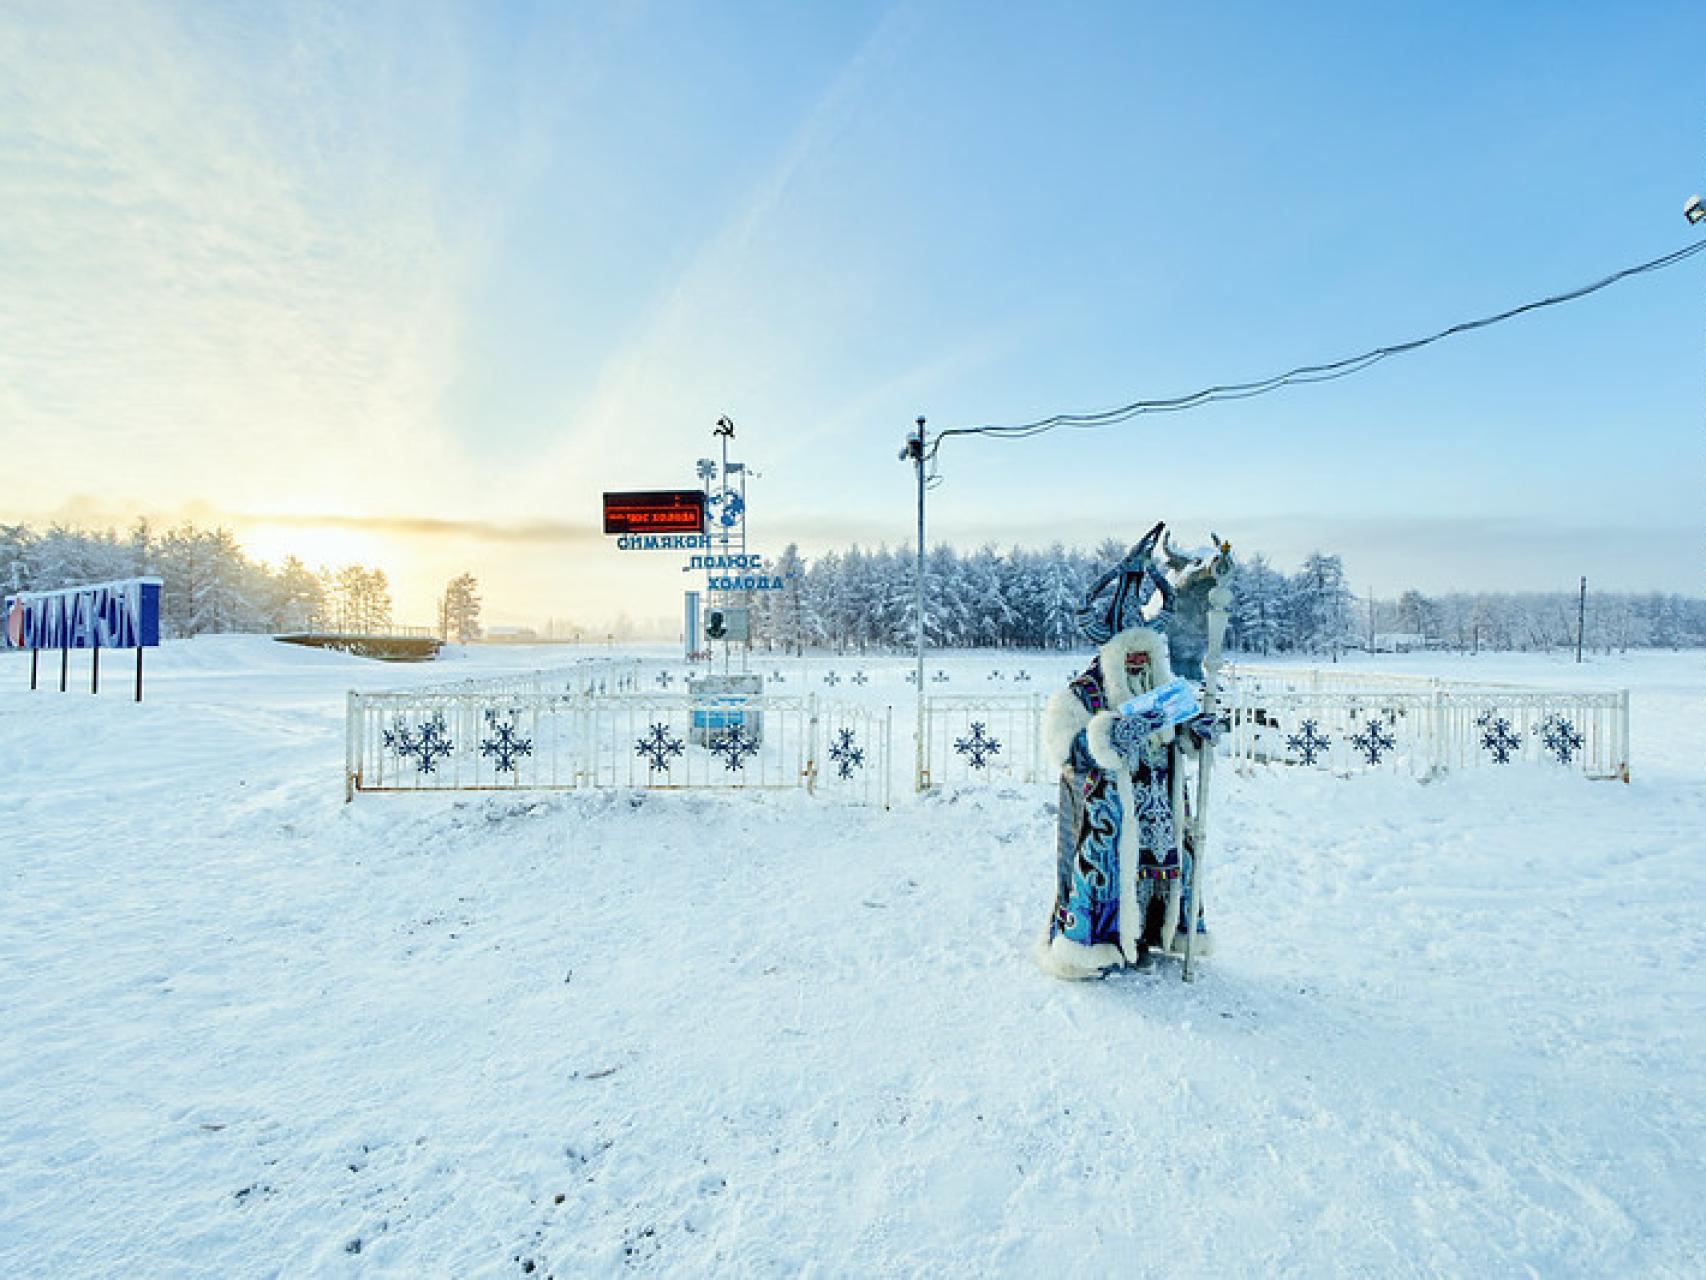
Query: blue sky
{"x": 415, "y": 283}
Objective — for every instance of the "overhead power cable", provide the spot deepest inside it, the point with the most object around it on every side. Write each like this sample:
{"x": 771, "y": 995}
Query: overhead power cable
{"x": 1302, "y": 374}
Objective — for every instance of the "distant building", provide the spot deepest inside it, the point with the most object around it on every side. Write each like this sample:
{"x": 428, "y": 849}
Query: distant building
{"x": 511, "y": 635}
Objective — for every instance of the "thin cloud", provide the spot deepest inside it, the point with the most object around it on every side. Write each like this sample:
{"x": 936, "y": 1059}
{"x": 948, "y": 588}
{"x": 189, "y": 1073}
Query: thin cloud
{"x": 661, "y": 376}
{"x": 225, "y": 270}
{"x": 537, "y": 532}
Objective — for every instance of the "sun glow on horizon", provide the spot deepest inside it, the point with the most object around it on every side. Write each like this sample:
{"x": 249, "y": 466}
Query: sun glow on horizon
{"x": 319, "y": 546}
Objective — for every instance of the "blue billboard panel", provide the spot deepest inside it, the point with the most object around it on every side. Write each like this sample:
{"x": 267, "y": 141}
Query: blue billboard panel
{"x": 101, "y": 615}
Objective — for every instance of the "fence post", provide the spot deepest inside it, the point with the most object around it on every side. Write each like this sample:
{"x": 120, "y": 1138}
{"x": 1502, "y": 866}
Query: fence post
{"x": 352, "y": 737}
{"x": 888, "y": 753}
{"x": 1036, "y": 729}
{"x": 922, "y": 769}
{"x": 1623, "y": 733}
{"x": 1437, "y": 761}
{"x": 811, "y": 745}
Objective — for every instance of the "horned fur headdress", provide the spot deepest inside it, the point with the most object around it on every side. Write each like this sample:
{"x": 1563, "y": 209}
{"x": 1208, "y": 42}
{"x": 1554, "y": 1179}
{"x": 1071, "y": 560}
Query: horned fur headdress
{"x": 1127, "y": 588}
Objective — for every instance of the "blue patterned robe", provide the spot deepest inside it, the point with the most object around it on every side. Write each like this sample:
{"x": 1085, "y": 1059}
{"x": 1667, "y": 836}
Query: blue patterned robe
{"x": 1120, "y": 872}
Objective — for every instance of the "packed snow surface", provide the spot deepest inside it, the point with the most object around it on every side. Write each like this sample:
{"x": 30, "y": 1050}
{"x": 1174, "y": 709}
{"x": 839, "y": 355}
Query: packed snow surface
{"x": 247, "y": 1030}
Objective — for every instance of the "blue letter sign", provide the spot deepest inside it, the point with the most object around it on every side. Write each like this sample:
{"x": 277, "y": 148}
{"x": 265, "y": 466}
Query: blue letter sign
{"x": 102, "y": 615}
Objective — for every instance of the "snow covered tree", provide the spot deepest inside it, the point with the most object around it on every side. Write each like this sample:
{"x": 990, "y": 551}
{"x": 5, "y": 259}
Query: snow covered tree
{"x": 989, "y": 619}
{"x": 378, "y": 600}
{"x": 1258, "y": 606}
{"x": 361, "y": 600}
{"x": 784, "y": 613}
{"x": 459, "y": 610}
{"x": 1321, "y": 604}
{"x": 298, "y": 598}
{"x": 1059, "y": 593}
{"x": 15, "y": 543}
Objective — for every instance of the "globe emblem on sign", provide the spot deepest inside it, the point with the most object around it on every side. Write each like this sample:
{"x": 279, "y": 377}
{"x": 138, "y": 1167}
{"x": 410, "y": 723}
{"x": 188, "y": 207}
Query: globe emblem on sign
{"x": 15, "y": 625}
{"x": 730, "y": 507}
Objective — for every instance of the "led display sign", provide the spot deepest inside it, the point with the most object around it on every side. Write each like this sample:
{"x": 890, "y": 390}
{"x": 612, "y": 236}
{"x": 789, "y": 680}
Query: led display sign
{"x": 655, "y": 511}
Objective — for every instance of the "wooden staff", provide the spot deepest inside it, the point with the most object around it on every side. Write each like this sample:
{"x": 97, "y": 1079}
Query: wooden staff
{"x": 1219, "y": 597}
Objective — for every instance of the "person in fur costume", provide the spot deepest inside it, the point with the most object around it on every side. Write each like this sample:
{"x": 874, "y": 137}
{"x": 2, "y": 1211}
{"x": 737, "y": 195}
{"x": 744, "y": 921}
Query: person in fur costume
{"x": 1122, "y": 859}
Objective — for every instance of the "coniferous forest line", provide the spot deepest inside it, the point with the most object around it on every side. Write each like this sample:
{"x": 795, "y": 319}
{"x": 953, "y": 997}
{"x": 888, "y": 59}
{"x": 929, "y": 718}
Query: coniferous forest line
{"x": 210, "y": 585}
{"x": 858, "y": 599}
{"x": 864, "y": 600}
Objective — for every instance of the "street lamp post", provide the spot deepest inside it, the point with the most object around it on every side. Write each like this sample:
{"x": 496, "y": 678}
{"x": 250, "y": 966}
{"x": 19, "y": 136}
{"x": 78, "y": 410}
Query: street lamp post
{"x": 914, "y": 449}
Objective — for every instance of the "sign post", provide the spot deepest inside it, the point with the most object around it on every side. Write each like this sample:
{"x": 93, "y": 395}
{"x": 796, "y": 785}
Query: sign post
{"x": 99, "y": 615}
{"x": 690, "y": 638}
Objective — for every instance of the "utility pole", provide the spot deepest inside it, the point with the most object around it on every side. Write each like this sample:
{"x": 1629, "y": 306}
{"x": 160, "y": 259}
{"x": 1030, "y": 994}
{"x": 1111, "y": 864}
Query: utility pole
{"x": 915, "y": 449}
{"x": 725, "y": 430}
{"x": 1581, "y": 618}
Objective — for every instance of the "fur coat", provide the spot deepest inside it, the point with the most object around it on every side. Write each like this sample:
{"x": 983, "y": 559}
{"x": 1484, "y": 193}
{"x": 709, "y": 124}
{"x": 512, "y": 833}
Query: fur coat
{"x": 1120, "y": 867}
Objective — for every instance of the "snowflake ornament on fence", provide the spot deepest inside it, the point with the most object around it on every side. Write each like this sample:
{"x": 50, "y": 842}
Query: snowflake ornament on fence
{"x": 1499, "y": 740}
{"x": 426, "y": 744}
{"x": 859, "y": 677}
{"x": 505, "y": 746}
{"x": 1021, "y": 676}
{"x": 658, "y": 748}
{"x": 996, "y": 675}
{"x": 736, "y": 747}
{"x": 665, "y": 679}
{"x": 831, "y": 679}
{"x": 1309, "y": 743}
{"x": 1560, "y": 737}
{"x": 847, "y": 755}
{"x": 976, "y": 747}
{"x": 941, "y": 677}
{"x": 1374, "y": 741}
{"x": 912, "y": 677}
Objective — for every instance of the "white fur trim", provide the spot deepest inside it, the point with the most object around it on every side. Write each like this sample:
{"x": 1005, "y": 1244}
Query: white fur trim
{"x": 1065, "y": 715}
{"x": 1063, "y": 958}
{"x": 1099, "y": 737}
{"x": 1113, "y": 655}
{"x": 1121, "y": 689}
{"x": 1062, "y": 719}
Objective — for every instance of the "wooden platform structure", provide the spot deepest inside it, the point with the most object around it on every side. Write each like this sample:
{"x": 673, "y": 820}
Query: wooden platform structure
{"x": 405, "y": 644}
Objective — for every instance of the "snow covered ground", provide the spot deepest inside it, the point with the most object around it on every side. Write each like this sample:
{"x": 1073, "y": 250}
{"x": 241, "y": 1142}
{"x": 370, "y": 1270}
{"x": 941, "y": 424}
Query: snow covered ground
{"x": 246, "y": 1030}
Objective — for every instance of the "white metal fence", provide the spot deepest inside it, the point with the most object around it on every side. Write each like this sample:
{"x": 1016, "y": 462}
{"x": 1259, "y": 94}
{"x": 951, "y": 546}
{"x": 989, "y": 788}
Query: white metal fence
{"x": 517, "y": 740}
{"x": 590, "y": 727}
{"x": 1347, "y": 679}
{"x": 1415, "y": 725}
{"x": 1426, "y": 731}
{"x": 588, "y": 678}
{"x": 972, "y": 738}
